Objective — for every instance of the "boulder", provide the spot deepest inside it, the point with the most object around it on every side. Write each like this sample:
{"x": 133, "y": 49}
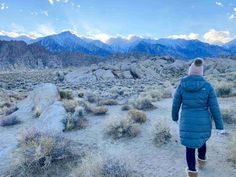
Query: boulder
{"x": 41, "y": 97}
{"x": 51, "y": 118}
{"x": 76, "y": 77}
{"x": 135, "y": 71}
{"x": 127, "y": 75}
{"x": 102, "y": 74}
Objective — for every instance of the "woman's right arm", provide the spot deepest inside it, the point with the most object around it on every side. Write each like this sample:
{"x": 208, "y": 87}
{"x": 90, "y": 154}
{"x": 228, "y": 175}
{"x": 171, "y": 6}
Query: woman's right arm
{"x": 177, "y": 101}
{"x": 215, "y": 109}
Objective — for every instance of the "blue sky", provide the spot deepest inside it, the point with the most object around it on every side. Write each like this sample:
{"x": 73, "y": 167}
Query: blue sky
{"x": 207, "y": 20}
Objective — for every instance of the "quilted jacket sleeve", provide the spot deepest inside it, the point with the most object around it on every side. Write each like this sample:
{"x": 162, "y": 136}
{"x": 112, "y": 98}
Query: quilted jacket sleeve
{"x": 215, "y": 110}
{"x": 177, "y": 101}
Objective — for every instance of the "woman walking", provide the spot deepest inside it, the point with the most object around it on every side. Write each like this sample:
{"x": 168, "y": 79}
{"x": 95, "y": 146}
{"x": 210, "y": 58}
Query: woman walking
{"x": 198, "y": 101}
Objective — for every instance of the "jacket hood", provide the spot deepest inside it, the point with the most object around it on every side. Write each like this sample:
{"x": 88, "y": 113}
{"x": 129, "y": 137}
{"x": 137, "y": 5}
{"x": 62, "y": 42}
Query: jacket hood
{"x": 193, "y": 83}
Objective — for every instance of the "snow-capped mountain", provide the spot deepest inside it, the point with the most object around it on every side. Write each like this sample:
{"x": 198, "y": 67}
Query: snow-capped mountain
{"x": 231, "y": 46}
{"x": 180, "y": 48}
{"x": 68, "y": 42}
{"x": 122, "y": 45}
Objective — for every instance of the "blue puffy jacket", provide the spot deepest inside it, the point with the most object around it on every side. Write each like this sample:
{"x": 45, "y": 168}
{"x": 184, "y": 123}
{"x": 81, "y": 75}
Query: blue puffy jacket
{"x": 199, "y": 103}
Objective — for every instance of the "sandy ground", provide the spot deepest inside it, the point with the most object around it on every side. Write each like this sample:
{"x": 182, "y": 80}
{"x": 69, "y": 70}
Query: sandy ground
{"x": 149, "y": 160}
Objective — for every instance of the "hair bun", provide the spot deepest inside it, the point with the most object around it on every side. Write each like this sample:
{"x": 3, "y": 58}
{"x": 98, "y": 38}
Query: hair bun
{"x": 198, "y": 62}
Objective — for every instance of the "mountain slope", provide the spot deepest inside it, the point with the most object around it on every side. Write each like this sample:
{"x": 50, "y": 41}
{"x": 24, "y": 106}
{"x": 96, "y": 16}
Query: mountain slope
{"x": 231, "y": 46}
{"x": 68, "y": 42}
{"x": 180, "y": 48}
{"x": 19, "y": 55}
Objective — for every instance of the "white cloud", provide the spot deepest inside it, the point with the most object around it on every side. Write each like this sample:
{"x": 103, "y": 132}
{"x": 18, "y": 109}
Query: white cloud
{"x": 3, "y": 6}
{"x": 219, "y": 4}
{"x": 232, "y": 16}
{"x": 190, "y": 36}
{"x": 217, "y": 37}
{"x": 45, "y": 29}
{"x": 99, "y": 36}
{"x": 44, "y": 13}
{"x": 10, "y": 34}
{"x": 53, "y": 1}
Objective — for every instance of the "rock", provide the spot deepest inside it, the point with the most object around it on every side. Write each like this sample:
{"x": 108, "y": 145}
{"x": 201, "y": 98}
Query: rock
{"x": 135, "y": 71}
{"x": 127, "y": 75}
{"x": 51, "y": 118}
{"x": 41, "y": 97}
{"x": 77, "y": 77}
{"x": 102, "y": 74}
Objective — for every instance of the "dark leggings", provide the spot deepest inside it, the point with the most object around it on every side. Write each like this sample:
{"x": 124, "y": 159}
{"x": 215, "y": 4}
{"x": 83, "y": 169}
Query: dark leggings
{"x": 190, "y": 156}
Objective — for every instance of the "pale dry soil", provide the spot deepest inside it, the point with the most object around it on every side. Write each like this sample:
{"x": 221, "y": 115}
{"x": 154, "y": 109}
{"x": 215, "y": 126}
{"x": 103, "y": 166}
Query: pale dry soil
{"x": 149, "y": 160}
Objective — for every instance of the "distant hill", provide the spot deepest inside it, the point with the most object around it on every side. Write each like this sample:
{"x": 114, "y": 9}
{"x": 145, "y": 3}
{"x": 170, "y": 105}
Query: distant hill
{"x": 19, "y": 55}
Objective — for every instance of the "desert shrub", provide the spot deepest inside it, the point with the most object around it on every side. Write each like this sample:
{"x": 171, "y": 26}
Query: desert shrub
{"x": 126, "y": 107}
{"x": 118, "y": 128}
{"x": 37, "y": 153}
{"x": 79, "y": 111}
{"x": 37, "y": 112}
{"x": 137, "y": 116}
{"x": 99, "y": 110}
{"x": 161, "y": 133}
{"x": 167, "y": 93}
{"x": 113, "y": 167}
{"x": 94, "y": 165}
{"x": 109, "y": 102}
{"x": 228, "y": 116}
{"x": 143, "y": 103}
{"x": 66, "y": 94}
{"x": 73, "y": 122}
{"x": 232, "y": 151}
{"x": 9, "y": 120}
{"x": 92, "y": 98}
{"x": 70, "y": 105}
{"x": 223, "y": 90}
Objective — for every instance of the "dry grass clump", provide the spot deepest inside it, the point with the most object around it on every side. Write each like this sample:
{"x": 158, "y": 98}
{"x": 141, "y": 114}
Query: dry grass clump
{"x": 9, "y": 120}
{"x": 161, "y": 133}
{"x": 143, "y": 103}
{"x": 70, "y": 105}
{"x": 109, "y": 102}
{"x": 118, "y": 128}
{"x": 232, "y": 151}
{"x": 96, "y": 165}
{"x": 7, "y": 108}
{"x": 37, "y": 112}
{"x": 99, "y": 110}
{"x": 228, "y": 116}
{"x": 66, "y": 94}
{"x": 223, "y": 90}
{"x": 37, "y": 151}
{"x": 137, "y": 116}
{"x": 153, "y": 94}
{"x": 75, "y": 121}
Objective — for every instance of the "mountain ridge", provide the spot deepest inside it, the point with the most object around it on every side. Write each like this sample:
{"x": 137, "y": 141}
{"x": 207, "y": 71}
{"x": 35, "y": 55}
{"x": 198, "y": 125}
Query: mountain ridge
{"x": 178, "y": 48}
